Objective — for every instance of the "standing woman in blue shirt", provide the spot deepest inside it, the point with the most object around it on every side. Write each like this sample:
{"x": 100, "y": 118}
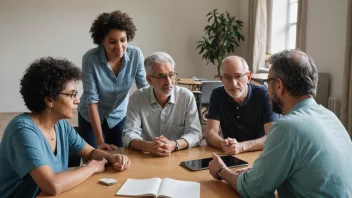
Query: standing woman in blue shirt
{"x": 108, "y": 73}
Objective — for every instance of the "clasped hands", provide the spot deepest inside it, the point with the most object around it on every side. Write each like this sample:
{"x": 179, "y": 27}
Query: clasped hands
{"x": 232, "y": 147}
{"x": 161, "y": 146}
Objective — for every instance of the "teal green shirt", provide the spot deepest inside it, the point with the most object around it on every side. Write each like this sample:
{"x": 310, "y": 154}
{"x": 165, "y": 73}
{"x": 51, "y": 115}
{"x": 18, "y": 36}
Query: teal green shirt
{"x": 24, "y": 148}
{"x": 307, "y": 153}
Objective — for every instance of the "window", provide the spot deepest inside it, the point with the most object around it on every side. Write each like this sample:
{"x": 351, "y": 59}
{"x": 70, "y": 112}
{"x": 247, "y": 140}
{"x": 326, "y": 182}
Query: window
{"x": 291, "y": 24}
{"x": 284, "y": 23}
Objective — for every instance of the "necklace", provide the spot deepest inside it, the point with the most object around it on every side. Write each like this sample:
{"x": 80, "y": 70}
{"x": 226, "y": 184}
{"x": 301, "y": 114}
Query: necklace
{"x": 42, "y": 126}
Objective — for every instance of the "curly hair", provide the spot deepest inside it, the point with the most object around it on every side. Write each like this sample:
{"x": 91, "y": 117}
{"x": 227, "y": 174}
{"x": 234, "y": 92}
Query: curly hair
{"x": 46, "y": 77}
{"x": 297, "y": 71}
{"x": 114, "y": 20}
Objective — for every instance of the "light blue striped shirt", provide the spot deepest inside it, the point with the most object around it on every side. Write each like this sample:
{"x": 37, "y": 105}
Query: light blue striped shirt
{"x": 146, "y": 119}
{"x": 307, "y": 153}
{"x": 102, "y": 86}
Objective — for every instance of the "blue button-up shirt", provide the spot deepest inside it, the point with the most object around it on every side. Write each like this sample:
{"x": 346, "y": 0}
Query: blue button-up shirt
{"x": 102, "y": 86}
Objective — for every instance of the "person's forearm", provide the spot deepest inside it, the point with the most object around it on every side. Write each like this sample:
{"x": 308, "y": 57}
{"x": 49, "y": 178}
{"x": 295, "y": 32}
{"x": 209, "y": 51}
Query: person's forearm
{"x": 213, "y": 139}
{"x": 97, "y": 154}
{"x": 95, "y": 122}
{"x": 140, "y": 145}
{"x": 191, "y": 138}
{"x": 230, "y": 177}
{"x": 254, "y": 145}
{"x": 67, "y": 180}
{"x": 182, "y": 143}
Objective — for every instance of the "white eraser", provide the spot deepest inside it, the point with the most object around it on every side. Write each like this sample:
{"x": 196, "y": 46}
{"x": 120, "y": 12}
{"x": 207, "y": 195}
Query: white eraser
{"x": 108, "y": 181}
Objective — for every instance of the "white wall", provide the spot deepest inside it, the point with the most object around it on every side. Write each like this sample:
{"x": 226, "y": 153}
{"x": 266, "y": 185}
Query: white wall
{"x": 326, "y": 39}
{"x": 37, "y": 28}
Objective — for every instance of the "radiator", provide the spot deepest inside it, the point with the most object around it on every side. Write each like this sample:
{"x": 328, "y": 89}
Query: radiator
{"x": 334, "y": 105}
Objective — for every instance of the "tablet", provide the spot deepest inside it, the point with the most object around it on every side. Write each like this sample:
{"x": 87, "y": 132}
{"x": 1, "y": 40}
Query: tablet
{"x": 202, "y": 164}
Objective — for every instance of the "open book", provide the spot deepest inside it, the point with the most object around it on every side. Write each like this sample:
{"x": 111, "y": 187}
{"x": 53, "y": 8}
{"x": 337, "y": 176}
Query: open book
{"x": 157, "y": 187}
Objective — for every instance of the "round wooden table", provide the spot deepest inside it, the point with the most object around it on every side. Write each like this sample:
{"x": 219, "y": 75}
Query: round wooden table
{"x": 193, "y": 85}
{"x": 146, "y": 166}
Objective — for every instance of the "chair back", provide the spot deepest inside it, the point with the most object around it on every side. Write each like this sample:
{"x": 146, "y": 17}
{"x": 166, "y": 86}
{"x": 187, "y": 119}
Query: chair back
{"x": 206, "y": 89}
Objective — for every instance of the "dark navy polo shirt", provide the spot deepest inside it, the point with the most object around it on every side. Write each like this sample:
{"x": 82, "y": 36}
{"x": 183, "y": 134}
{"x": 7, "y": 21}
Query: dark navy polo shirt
{"x": 246, "y": 121}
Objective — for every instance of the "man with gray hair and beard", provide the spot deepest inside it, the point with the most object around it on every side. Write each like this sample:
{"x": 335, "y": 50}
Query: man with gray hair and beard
{"x": 163, "y": 117}
{"x": 242, "y": 110}
{"x": 307, "y": 153}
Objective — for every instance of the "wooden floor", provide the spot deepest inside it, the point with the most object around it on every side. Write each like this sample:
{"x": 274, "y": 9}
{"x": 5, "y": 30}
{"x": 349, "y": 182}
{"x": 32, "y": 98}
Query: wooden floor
{"x": 5, "y": 118}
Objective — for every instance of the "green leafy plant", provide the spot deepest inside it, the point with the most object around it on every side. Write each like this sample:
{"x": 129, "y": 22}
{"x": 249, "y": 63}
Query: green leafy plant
{"x": 222, "y": 36}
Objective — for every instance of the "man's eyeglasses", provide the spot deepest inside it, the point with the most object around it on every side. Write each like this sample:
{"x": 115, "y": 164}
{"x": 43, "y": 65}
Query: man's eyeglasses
{"x": 238, "y": 77}
{"x": 266, "y": 81}
{"x": 163, "y": 77}
{"x": 73, "y": 95}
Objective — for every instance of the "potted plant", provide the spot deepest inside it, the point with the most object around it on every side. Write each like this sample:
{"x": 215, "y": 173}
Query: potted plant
{"x": 222, "y": 36}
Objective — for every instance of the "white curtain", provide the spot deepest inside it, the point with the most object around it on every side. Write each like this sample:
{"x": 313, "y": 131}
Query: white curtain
{"x": 346, "y": 101}
{"x": 301, "y": 25}
{"x": 259, "y": 24}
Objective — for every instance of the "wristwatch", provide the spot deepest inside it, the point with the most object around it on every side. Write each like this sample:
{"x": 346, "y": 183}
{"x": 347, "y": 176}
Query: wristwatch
{"x": 218, "y": 173}
{"x": 177, "y": 146}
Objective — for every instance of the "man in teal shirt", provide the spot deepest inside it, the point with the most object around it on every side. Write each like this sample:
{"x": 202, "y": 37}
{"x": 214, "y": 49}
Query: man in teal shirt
{"x": 307, "y": 153}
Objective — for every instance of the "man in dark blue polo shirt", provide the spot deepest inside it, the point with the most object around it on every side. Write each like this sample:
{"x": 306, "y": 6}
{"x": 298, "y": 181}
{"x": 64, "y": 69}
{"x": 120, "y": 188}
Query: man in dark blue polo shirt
{"x": 243, "y": 110}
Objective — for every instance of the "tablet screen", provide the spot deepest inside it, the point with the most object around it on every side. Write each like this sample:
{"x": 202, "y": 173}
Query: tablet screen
{"x": 202, "y": 164}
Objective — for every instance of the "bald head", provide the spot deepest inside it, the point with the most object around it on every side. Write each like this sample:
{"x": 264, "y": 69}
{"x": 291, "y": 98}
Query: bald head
{"x": 236, "y": 62}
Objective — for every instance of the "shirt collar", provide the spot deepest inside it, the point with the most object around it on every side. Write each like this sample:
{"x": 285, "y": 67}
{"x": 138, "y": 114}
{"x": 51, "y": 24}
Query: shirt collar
{"x": 304, "y": 103}
{"x": 153, "y": 100}
{"x": 250, "y": 92}
{"x": 172, "y": 96}
{"x": 102, "y": 55}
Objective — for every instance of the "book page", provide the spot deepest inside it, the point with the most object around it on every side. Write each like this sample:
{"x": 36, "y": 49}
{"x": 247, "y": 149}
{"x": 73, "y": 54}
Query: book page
{"x": 179, "y": 189}
{"x": 140, "y": 187}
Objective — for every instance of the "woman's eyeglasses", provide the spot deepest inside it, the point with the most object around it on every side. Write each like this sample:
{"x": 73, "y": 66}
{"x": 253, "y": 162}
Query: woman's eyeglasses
{"x": 73, "y": 95}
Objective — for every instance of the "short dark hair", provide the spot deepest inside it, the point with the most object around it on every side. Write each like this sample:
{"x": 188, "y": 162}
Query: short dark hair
{"x": 114, "y": 20}
{"x": 46, "y": 77}
{"x": 297, "y": 71}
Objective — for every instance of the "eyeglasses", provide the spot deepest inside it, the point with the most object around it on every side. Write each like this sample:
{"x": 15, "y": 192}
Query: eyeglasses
{"x": 163, "y": 78}
{"x": 238, "y": 77}
{"x": 73, "y": 95}
{"x": 266, "y": 81}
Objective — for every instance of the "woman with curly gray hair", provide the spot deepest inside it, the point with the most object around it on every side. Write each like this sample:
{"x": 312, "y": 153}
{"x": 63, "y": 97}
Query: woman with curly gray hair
{"x": 108, "y": 73}
{"x": 35, "y": 146}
